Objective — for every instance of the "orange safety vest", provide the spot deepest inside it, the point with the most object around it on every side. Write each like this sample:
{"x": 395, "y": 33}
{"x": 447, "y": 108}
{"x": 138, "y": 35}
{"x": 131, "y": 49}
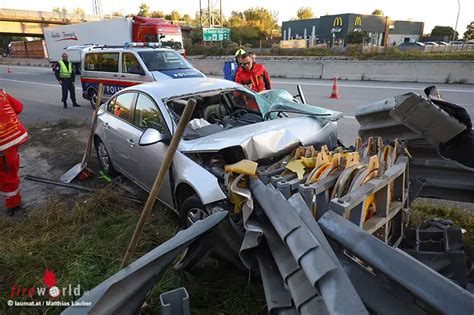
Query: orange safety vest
{"x": 12, "y": 131}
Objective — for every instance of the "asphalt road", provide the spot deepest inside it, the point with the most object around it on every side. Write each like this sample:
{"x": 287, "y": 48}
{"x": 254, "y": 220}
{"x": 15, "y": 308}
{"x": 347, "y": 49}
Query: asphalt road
{"x": 38, "y": 89}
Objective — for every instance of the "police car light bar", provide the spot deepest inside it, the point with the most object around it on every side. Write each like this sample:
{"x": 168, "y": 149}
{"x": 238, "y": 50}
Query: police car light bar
{"x": 147, "y": 44}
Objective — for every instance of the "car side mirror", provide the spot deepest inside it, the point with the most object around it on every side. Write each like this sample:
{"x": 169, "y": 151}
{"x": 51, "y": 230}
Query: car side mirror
{"x": 152, "y": 136}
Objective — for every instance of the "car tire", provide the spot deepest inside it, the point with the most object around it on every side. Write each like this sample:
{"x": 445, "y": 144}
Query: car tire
{"x": 192, "y": 210}
{"x": 104, "y": 159}
{"x": 92, "y": 94}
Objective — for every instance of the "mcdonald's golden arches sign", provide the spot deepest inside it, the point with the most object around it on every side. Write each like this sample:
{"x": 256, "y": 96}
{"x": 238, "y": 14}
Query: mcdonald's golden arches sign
{"x": 337, "y": 21}
{"x": 358, "y": 21}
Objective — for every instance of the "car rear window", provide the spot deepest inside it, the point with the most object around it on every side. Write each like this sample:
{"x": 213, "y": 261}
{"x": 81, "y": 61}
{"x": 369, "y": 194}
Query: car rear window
{"x": 164, "y": 60}
{"x": 106, "y": 62}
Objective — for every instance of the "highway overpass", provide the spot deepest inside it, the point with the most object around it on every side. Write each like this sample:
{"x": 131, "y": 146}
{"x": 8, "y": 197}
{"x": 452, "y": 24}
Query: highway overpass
{"x": 31, "y": 23}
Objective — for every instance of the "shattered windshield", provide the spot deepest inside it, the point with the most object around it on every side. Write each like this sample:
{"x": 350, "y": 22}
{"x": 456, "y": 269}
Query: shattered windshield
{"x": 281, "y": 101}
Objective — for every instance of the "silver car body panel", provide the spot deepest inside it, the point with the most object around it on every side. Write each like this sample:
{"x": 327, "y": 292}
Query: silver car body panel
{"x": 265, "y": 139}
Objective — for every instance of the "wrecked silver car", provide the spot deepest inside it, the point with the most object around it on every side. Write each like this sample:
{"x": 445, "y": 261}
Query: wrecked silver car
{"x": 230, "y": 123}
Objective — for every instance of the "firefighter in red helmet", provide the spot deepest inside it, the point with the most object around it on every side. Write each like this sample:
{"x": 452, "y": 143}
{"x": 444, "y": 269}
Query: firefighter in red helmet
{"x": 12, "y": 134}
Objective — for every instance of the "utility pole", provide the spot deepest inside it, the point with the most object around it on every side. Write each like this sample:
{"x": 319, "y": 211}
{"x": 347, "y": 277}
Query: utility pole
{"x": 97, "y": 7}
{"x": 210, "y": 13}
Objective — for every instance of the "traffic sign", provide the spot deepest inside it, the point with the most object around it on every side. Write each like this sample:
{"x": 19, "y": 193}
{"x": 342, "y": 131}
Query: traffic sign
{"x": 215, "y": 34}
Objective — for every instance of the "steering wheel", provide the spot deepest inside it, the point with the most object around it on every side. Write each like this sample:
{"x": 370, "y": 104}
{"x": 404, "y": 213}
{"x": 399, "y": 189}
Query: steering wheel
{"x": 215, "y": 117}
{"x": 238, "y": 113}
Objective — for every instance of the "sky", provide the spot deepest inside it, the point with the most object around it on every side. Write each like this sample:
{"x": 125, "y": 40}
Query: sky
{"x": 432, "y": 12}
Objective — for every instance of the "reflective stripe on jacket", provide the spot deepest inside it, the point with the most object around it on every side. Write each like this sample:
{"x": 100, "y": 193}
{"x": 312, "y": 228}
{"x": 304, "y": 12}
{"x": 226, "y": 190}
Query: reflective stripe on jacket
{"x": 65, "y": 72}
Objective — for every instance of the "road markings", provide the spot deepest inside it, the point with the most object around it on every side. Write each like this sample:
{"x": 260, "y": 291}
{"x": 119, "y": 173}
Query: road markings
{"x": 36, "y": 83}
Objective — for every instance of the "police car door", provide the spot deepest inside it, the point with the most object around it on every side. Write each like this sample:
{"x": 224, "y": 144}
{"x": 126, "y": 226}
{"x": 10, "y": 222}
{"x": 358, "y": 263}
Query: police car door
{"x": 132, "y": 70}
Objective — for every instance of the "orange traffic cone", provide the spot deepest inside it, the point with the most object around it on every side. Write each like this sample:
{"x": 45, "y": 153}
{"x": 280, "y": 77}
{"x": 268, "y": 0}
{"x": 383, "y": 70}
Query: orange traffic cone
{"x": 9, "y": 70}
{"x": 335, "y": 91}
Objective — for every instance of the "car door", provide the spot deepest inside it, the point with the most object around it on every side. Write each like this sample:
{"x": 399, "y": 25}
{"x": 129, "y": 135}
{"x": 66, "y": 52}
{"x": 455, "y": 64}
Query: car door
{"x": 147, "y": 115}
{"x": 121, "y": 136}
{"x": 132, "y": 70}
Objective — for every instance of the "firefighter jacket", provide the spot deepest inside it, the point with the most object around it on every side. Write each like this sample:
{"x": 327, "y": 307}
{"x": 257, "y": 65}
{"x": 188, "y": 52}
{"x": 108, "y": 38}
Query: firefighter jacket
{"x": 12, "y": 131}
{"x": 257, "y": 78}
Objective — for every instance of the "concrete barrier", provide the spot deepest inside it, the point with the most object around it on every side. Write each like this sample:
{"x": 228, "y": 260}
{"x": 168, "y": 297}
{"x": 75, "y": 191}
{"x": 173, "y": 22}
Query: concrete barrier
{"x": 318, "y": 68}
{"x": 370, "y": 70}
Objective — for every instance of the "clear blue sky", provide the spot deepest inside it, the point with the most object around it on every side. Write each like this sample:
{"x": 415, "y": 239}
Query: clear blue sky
{"x": 432, "y": 12}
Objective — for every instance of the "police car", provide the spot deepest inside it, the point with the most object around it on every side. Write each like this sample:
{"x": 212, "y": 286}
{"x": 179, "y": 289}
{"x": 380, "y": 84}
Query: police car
{"x": 120, "y": 67}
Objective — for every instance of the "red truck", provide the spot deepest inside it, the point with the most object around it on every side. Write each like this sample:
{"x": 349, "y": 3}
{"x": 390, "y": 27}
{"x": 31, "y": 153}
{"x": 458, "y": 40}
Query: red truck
{"x": 112, "y": 32}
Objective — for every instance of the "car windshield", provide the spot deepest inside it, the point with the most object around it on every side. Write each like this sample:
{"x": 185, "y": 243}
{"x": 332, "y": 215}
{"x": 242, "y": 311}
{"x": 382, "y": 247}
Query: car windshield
{"x": 219, "y": 110}
{"x": 281, "y": 101}
{"x": 164, "y": 60}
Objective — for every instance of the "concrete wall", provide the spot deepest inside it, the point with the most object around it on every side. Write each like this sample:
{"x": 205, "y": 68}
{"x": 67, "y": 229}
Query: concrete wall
{"x": 407, "y": 71}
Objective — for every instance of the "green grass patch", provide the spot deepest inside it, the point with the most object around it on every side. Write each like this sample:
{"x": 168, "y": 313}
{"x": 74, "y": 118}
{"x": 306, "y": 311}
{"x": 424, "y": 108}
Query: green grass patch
{"x": 421, "y": 211}
{"x": 83, "y": 242}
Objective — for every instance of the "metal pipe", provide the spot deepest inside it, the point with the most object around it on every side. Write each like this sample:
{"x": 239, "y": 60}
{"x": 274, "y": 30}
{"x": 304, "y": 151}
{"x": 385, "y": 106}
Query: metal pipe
{"x": 442, "y": 294}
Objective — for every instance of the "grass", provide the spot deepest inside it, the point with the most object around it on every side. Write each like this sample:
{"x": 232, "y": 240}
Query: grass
{"x": 83, "y": 242}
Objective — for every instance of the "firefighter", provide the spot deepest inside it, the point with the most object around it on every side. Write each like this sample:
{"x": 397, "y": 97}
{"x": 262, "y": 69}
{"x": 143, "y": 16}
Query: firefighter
{"x": 252, "y": 74}
{"x": 64, "y": 72}
{"x": 12, "y": 134}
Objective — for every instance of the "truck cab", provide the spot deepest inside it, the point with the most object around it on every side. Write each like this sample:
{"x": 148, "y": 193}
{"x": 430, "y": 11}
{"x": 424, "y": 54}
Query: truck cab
{"x": 117, "y": 68}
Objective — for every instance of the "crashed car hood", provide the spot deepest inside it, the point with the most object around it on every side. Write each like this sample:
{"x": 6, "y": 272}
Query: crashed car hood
{"x": 266, "y": 139}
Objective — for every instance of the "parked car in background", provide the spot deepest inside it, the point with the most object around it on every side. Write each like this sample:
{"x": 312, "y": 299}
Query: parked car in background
{"x": 411, "y": 45}
{"x": 442, "y": 43}
{"x": 456, "y": 42}
{"x": 229, "y": 123}
{"x": 430, "y": 43}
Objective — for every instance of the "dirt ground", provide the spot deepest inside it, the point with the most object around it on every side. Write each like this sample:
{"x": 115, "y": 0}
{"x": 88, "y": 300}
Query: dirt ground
{"x": 49, "y": 153}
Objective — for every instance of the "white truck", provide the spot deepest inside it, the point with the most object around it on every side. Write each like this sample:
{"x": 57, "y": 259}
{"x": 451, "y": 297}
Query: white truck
{"x": 111, "y": 32}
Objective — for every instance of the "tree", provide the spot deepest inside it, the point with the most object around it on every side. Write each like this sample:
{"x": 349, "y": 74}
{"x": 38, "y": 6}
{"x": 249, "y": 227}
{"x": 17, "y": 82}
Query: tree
{"x": 188, "y": 19}
{"x": 377, "y": 12}
{"x": 444, "y": 31}
{"x": 144, "y": 10}
{"x": 304, "y": 13}
{"x": 173, "y": 16}
{"x": 469, "y": 34}
{"x": 157, "y": 14}
{"x": 356, "y": 37}
{"x": 117, "y": 13}
{"x": 62, "y": 11}
{"x": 262, "y": 19}
{"x": 78, "y": 11}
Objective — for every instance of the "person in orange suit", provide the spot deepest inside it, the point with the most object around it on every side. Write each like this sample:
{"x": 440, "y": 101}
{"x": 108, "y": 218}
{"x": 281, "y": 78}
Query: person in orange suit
{"x": 12, "y": 134}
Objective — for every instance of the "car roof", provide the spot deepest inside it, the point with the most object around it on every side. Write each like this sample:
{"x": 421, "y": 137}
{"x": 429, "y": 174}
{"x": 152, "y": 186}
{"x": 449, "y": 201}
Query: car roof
{"x": 172, "y": 88}
{"x": 119, "y": 49}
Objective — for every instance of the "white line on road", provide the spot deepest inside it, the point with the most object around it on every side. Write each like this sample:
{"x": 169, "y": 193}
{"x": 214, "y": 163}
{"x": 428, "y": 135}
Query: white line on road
{"x": 45, "y": 69}
{"x": 371, "y": 86}
{"x": 37, "y": 83}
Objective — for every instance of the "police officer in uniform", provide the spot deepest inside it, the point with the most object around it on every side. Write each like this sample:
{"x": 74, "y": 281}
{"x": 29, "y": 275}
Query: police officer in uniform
{"x": 64, "y": 72}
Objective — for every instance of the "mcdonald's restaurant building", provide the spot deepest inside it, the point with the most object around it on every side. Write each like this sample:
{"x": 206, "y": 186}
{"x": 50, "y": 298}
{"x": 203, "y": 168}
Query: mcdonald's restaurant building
{"x": 333, "y": 29}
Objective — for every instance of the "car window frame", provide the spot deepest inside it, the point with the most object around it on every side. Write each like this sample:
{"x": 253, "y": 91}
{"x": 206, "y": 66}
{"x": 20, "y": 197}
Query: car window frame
{"x": 118, "y": 70}
{"x": 132, "y": 107}
{"x": 137, "y": 58}
{"x": 167, "y": 130}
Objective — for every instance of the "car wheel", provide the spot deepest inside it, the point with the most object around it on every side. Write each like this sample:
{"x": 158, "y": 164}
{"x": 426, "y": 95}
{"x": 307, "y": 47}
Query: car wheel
{"x": 104, "y": 159}
{"x": 92, "y": 97}
{"x": 192, "y": 210}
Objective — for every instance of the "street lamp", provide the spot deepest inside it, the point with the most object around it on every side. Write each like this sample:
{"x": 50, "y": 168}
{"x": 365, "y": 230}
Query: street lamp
{"x": 457, "y": 18}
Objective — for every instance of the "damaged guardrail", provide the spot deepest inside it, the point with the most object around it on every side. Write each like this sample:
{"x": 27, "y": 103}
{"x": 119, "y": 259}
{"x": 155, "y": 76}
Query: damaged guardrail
{"x": 428, "y": 126}
{"x": 125, "y": 291}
